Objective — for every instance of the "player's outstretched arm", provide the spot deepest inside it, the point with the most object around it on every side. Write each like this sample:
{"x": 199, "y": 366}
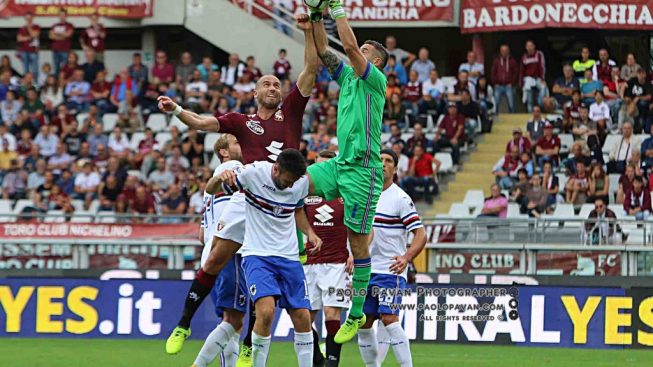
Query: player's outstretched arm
{"x": 347, "y": 37}
{"x": 329, "y": 59}
{"x": 193, "y": 120}
{"x": 306, "y": 79}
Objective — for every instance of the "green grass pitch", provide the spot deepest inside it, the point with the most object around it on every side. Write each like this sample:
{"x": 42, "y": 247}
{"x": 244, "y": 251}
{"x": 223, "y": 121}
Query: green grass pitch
{"x": 150, "y": 353}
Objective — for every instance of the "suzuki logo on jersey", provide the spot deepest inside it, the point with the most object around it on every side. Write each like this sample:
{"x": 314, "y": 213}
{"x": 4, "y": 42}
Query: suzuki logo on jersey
{"x": 275, "y": 148}
{"x": 324, "y": 215}
{"x": 255, "y": 127}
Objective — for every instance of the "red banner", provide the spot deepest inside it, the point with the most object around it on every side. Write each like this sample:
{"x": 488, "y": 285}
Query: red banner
{"x": 505, "y": 15}
{"x": 154, "y": 232}
{"x": 111, "y": 9}
{"x": 587, "y": 263}
{"x": 382, "y": 10}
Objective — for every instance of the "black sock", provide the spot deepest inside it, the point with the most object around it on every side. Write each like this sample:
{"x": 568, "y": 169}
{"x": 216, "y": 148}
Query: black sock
{"x": 250, "y": 326}
{"x": 318, "y": 358}
{"x": 333, "y": 352}
{"x": 199, "y": 289}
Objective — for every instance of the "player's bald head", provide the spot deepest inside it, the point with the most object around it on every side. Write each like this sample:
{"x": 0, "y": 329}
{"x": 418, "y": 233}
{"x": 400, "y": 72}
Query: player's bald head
{"x": 269, "y": 78}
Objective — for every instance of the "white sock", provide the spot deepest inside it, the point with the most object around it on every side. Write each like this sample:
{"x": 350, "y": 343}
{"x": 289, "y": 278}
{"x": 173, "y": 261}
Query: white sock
{"x": 304, "y": 348}
{"x": 260, "y": 349}
{"x": 215, "y": 344}
{"x": 384, "y": 342}
{"x": 230, "y": 354}
{"x": 400, "y": 345}
{"x": 368, "y": 346}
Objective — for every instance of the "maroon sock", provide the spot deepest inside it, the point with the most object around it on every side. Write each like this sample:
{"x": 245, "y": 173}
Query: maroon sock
{"x": 332, "y": 326}
{"x": 205, "y": 279}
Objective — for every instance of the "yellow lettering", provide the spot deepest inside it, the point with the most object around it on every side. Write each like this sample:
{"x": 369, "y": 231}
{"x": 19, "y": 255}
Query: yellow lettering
{"x": 614, "y": 319}
{"x": 580, "y": 318}
{"x": 646, "y": 316}
{"x": 14, "y": 306}
{"x": 86, "y": 312}
{"x": 46, "y": 308}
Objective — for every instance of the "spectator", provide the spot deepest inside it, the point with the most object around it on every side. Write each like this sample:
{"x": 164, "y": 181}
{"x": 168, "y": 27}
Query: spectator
{"x": 173, "y": 202}
{"x": 86, "y": 183}
{"x": 10, "y": 110}
{"x": 93, "y": 66}
{"x": 602, "y": 69}
{"x": 433, "y": 92}
{"x": 184, "y": 71}
{"x": 161, "y": 178}
{"x": 281, "y": 9}
{"x": 101, "y": 92}
{"x": 137, "y": 71}
{"x": 630, "y": 68}
{"x": 46, "y": 70}
{"x": 251, "y": 69}
{"x": 14, "y": 182}
{"x": 638, "y": 201}
{"x": 647, "y": 150}
{"x": 622, "y": 150}
{"x": 473, "y": 68}
{"x": 484, "y": 98}
{"x": 60, "y": 160}
{"x": 504, "y": 76}
{"x": 93, "y": 37}
{"x": 7, "y": 70}
{"x": 392, "y": 87}
{"x": 535, "y": 127}
{"x": 412, "y": 92}
{"x": 534, "y": 203}
{"x": 108, "y": 192}
{"x": 42, "y": 193}
{"x": 583, "y": 64}
{"x": 281, "y": 67}
{"x": 403, "y": 164}
{"x": 518, "y": 140}
{"x": 145, "y": 146}
{"x": 599, "y": 184}
{"x": 319, "y": 140}
{"x": 196, "y": 90}
{"x": 402, "y": 56}
{"x": 123, "y": 98}
{"x": 577, "y": 186}
{"x": 62, "y": 121}
{"x": 496, "y": 205}
{"x": 96, "y": 138}
{"x": 637, "y": 97}
{"x": 547, "y": 147}
{"x": 584, "y": 127}
{"x": 31, "y": 114}
{"x": 37, "y": 177}
{"x": 23, "y": 145}
{"x": 472, "y": 112}
{"x": 84, "y": 150}
{"x": 525, "y": 162}
{"x": 142, "y": 203}
{"x": 454, "y": 94}
{"x": 571, "y": 114}
{"x": 418, "y": 138}
{"x": 451, "y": 132}
{"x": 10, "y": 139}
{"x": 68, "y": 69}
{"x": 423, "y": 65}
{"x": 614, "y": 89}
{"x": 600, "y": 113}
{"x": 205, "y": 69}
{"x": 531, "y": 73}
{"x": 61, "y": 35}
{"x": 177, "y": 162}
{"x": 233, "y": 71}
{"x": 396, "y": 69}
{"x": 394, "y": 114}
{"x": 520, "y": 188}
{"x": 422, "y": 174}
{"x": 162, "y": 71}
{"x": 51, "y": 94}
{"x": 118, "y": 143}
{"x": 73, "y": 139}
{"x": 589, "y": 87}
{"x": 506, "y": 169}
{"x": 551, "y": 184}
{"x": 395, "y": 137}
{"x": 28, "y": 45}
{"x": 563, "y": 87}
{"x": 101, "y": 160}
{"x": 77, "y": 92}
{"x": 47, "y": 141}
{"x": 601, "y": 225}
{"x": 6, "y": 156}
{"x": 625, "y": 183}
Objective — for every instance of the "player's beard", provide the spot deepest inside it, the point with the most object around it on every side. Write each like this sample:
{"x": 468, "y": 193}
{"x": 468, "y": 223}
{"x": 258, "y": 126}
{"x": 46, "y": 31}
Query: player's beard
{"x": 270, "y": 103}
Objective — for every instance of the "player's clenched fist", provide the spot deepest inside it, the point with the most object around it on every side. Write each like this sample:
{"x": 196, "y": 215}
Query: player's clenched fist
{"x": 166, "y": 104}
{"x": 303, "y": 21}
{"x": 228, "y": 177}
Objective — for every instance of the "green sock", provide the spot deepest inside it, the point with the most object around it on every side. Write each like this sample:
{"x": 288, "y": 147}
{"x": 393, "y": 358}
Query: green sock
{"x": 360, "y": 281}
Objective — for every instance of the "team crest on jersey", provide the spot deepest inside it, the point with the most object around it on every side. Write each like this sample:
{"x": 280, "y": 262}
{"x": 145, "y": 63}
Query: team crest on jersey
{"x": 312, "y": 200}
{"x": 220, "y": 226}
{"x": 255, "y": 127}
{"x": 252, "y": 290}
{"x": 277, "y": 210}
{"x": 278, "y": 116}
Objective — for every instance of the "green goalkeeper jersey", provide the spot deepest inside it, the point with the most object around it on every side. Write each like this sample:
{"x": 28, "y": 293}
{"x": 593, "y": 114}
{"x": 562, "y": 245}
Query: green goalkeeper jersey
{"x": 360, "y": 115}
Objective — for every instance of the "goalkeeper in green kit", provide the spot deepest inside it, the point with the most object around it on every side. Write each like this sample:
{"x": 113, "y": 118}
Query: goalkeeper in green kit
{"x": 356, "y": 174}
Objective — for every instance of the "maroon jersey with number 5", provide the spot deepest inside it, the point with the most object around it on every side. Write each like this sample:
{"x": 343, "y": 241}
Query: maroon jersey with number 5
{"x": 327, "y": 220}
{"x": 263, "y": 140}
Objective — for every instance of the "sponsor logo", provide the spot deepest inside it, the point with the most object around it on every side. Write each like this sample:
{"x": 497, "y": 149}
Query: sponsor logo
{"x": 275, "y": 149}
{"x": 242, "y": 300}
{"x": 193, "y": 296}
{"x": 269, "y": 187}
{"x": 324, "y": 213}
{"x": 278, "y": 116}
{"x": 252, "y": 290}
{"x": 255, "y": 127}
{"x": 312, "y": 200}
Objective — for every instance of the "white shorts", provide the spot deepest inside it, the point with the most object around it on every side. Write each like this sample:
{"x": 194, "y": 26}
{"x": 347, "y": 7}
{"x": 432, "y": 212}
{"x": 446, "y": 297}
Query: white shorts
{"x": 231, "y": 225}
{"x": 321, "y": 277}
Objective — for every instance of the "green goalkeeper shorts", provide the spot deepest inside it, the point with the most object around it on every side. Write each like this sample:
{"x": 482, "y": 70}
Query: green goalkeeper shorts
{"x": 359, "y": 187}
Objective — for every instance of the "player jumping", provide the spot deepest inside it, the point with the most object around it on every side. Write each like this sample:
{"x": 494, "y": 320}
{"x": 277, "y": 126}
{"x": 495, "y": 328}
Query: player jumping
{"x": 264, "y": 135}
{"x": 395, "y": 217}
{"x": 275, "y": 198}
{"x": 356, "y": 174}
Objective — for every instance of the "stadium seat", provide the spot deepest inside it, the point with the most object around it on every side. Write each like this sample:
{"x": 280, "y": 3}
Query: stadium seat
{"x": 22, "y": 204}
{"x": 459, "y": 210}
{"x": 614, "y": 185}
{"x": 474, "y": 198}
{"x": 106, "y": 217}
{"x": 562, "y": 182}
{"x": 55, "y": 216}
{"x": 585, "y": 211}
{"x": 209, "y": 141}
{"x": 563, "y": 211}
{"x": 174, "y": 121}
{"x": 215, "y": 162}
{"x": 5, "y": 206}
{"x": 610, "y": 140}
{"x": 446, "y": 161}
{"x": 94, "y": 207}
{"x": 162, "y": 138}
{"x": 618, "y": 210}
{"x": 135, "y": 140}
{"x": 566, "y": 141}
{"x": 514, "y": 213}
{"x": 82, "y": 217}
{"x": 406, "y": 136}
{"x": 77, "y": 204}
{"x": 157, "y": 122}
{"x": 81, "y": 117}
{"x": 110, "y": 120}
{"x": 384, "y": 137}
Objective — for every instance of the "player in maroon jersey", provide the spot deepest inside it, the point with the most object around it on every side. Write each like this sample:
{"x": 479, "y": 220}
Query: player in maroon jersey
{"x": 328, "y": 271}
{"x": 263, "y": 136}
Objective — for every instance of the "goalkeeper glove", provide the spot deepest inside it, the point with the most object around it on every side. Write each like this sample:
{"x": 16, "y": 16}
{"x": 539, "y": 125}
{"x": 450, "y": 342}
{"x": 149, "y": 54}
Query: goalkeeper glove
{"x": 315, "y": 15}
{"x": 303, "y": 258}
{"x": 336, "y": 10}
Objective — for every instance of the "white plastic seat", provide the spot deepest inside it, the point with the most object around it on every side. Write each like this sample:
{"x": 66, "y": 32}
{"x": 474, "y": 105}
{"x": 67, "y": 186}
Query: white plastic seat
{"x": 83, "y": 217}
{"x": 585, "y": 211}
{"x": 94, "y": 207}
{"x": 513, "y": 211}
{"x": 610, "y": 140}
{"x": 106, "y": 217}
{"x": 474, "y": 198}
{"x": 162, "y": 138}
{"x": 22, "y": 204}
{"x": 618, "y": 210}
{"x": 614, "y": 184}
{"x": 5, "y": 206}
{"x": 209, "y": 141}
{"x": 109, "y": 120}
{"x": 77, "y": 204}
{"x": 157, "y": 122}
{"x": 81, "y": 117}
{"x": 135, "y": 140}
{"x": 55, "y": 216}
{"x": 174, "y": 121}
{"x": 459, "y": 210}
{"x": 446, "y": 162}
{"x": 566, "y": 141}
